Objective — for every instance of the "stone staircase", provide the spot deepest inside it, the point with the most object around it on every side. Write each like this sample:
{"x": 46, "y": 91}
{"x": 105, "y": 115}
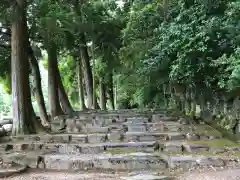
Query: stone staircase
{"x": 139, "y": 145}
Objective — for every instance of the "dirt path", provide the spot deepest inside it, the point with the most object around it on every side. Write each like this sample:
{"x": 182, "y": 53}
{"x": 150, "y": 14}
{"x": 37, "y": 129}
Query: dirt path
{"x": 213, "y": 175}
{"x": 63, "y": 176}
{"x": 233, "y": 174}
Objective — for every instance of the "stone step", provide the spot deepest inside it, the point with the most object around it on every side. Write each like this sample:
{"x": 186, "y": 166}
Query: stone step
{"x": 69, "y": 148}
{"x": 104, "y": 119}
{"x": 117, "y": 162}
{"x": 173, "y": 146}
{"x": 212, "y": 146}
{"x": 11, "y": 169}
{"x": 149, "y": 136}
{"x": 121, "y": 162}
{"x": 112, "y": 137}
{"x": 186, "y": 162}
{"x": 129, "y": 161}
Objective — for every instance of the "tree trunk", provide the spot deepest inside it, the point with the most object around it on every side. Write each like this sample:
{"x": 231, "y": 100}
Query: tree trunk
{"x": 80, "y": 85}
{"x": 63, "y": 98}
{"x": 38, "y": 87}
{"x": 94, "y": 82}
{"x": 102, "y": 95}
{"x": 23, "y": 119}
{"x": 110, "y": 91}
{"x": 53, "y": 96}
{"x": 193, "y": 102}
{"x": 86, "y": 68}
{"x": 87, "y": 71}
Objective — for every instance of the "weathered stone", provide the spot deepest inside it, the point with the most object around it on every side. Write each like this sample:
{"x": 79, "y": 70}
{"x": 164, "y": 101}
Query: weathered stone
{"x": 76, "y": 130}
{"x": 166, "y": 118}
{"x": 81, "y": 126}
{"x": 99, "y": 121}
{"x": 7, "y": 127}
{"x": 204, "y": 137}
{"x": 57, "y": 138}
{"x": 55, "y": 127}
{"x": 136, "y": 128}
{"x": 160, "y": 126}
{"x": 192, "y": 137}
{"x": 175, "y": 136}
{"x": 26, "y": 159}
{"x": 97, "y": 129}
{"x": 6, "y": 120}
{"x": 2, "y": 131}
{"x": 92, "y": 149}
{"x": 137, "y": 120}
{"x": 195, "y": 148}
{"x": 182, "y": 161}
{"x": 133, "y": 161}
{"x": 236, "y": 148}
{"x": 146, "y": 138}
{"x": 68, "y": 148}
{"x": 79, "y": 138}
{"x": 136, "y": 146}
{"x": 12, "y": 170}
{"x": 97, "y": 138}
{"x": 120, "y": 118}
{"x": 183, "y": 121}
{"x": 61, "y": 120}
{"x": 95, "y": 142}
{"x": 213, "y": 161}
{"x": 137, "y": 135}
{"x": 207, "y": 115}
{"x": 71, "y": 122}
{"x": 115, "y": 137}
{"x": 172, "y": 146}
{"x": 69, "y": 129}
{"x": 217, "y": 150}
{"x": 66, "y": 162}
{"x": 156, "y": 117}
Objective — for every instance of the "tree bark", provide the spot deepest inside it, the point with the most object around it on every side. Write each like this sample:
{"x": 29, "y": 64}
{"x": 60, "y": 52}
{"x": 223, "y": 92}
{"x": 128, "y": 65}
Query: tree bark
{"x": 80, "y": 84}
{"x": 102, "y": 95}
{"x": 38, "y": 87}
{"x": 63, "y": 98}
{"x": 94, "y": 95}
{"x": 86, "y": 68}
{"x": 53, "y": 96}
{"x": 110, "y": 91}
{"x": 23, "y": 116}
{"x": 87, "y": 71}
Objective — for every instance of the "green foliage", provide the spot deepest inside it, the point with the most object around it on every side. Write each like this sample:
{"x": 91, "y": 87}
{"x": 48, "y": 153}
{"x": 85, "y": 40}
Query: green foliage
{"x": 189, "y": 43}
{"x": 146, "y": 45}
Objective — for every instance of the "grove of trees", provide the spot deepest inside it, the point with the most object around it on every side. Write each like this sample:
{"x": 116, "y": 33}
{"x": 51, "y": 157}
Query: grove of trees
{"x": 107, "y": 54}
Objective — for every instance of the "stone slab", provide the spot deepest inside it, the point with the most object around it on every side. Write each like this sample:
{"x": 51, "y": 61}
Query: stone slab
{"x": 134, "y": 161}
{"x": 97, "y": 129}
{"x": 136, "y": 128}
{"x": 171, "y": 146}
{"x": 12, "y": 170}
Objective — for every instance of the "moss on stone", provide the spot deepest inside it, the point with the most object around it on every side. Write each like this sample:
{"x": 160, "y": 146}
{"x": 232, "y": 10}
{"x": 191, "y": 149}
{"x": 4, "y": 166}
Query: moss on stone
{"x": 116, "y": 151}
{"x": 203, "y": 129}
{"x": 215, "y": 143}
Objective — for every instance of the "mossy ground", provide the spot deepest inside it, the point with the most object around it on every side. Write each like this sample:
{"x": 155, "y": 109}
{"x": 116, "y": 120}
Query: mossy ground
{"x": 217, "y": 143}
{"x": 203, "y": 129}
